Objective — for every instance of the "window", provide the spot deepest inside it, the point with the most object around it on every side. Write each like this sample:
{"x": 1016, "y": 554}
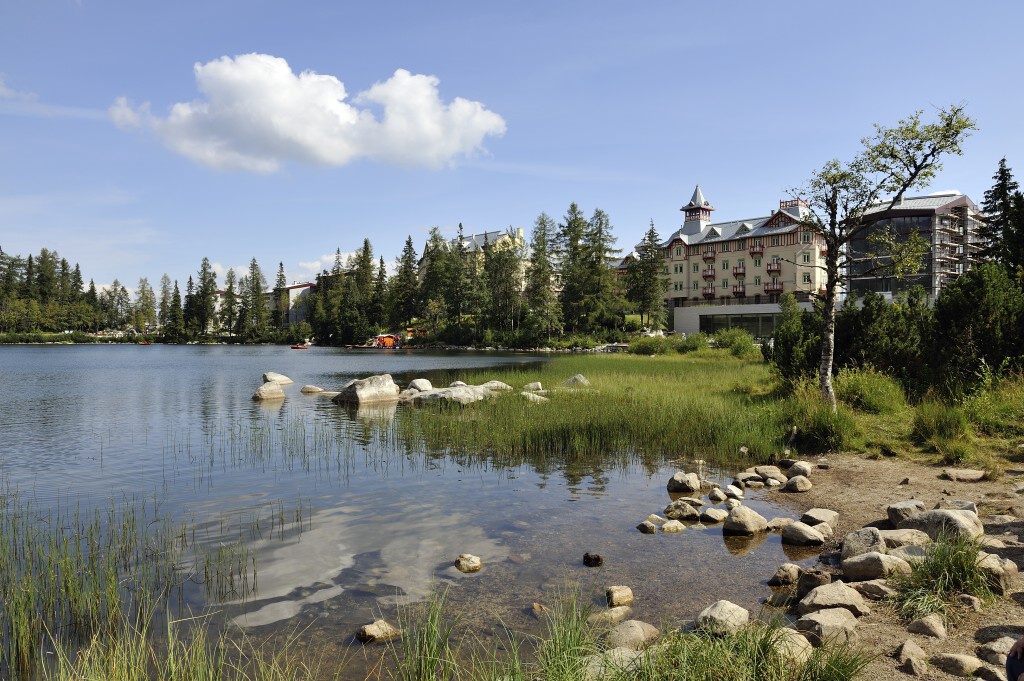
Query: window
{"x": 739, "y": 263}
{"x": 741, "y": 244}
{"x": 806, "y": 237}
{"x": 757, "y": 280}
{"x": 725, "y": 283}
{"x": 695, "y": 286}
{"x": 775, "y": 241}
{"x": 807, "y": 258}
{"x": 696, "y": 268}
{"x": 725, "y": 247}
{"x": 725, "y": 264}
{"x": 679, "y": 250}
{"x": 776, "y": 260}
{"x": 757, "y": 262}
{"x": 807, "y": 277}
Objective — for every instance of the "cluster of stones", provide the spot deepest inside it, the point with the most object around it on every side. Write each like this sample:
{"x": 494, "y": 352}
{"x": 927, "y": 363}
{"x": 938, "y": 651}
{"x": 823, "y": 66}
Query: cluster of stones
{"x": 829, "y": 605}
{"x": 383, "y": 389}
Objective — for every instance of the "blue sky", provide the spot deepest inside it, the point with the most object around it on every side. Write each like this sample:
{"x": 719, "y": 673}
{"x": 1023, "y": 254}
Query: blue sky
{"x": 137, "y": 138}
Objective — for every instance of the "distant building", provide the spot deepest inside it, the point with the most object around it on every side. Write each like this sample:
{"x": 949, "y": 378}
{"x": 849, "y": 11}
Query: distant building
{"x": 731, "y": 274}
{"x": 949, "y": 222}
{"x": 473, "y": 245}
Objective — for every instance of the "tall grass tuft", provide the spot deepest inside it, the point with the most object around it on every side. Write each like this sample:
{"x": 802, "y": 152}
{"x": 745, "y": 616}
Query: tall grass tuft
{"x": 650, "y": 345}
{"x": 569, "y": 639}
{"x": 999, "y": 411}
{"x": 949, "y": 568}
{"x": 691, "y": 342}
{"x": 425, "y": 652}
{"x": 935, "y": 420}
{"x": 818, "y": 428}
{"x": 870, "y": 391}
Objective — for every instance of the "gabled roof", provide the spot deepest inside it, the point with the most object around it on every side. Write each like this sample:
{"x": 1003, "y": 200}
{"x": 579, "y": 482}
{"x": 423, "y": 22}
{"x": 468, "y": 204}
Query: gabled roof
{"x": 749, "y": 228}
{"x": 698, "y": 201}
{"x": 932, "y": 202}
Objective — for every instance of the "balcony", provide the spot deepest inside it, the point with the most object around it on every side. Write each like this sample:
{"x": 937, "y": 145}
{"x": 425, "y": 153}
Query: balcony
{"x": 775, "y": 268}
{"x": 771, "y": 287}
{"x": 739, "y": 290}
{"x": 708, "y": 274}
{"x": 708, "y": 291}
{"x": 757, "y": 250}
{"x": 740, "y": 271}
{"x": 709, "y": 256}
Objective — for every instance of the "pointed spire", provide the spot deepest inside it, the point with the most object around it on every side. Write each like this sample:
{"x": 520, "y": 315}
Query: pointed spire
{"x": 698, "y": 200}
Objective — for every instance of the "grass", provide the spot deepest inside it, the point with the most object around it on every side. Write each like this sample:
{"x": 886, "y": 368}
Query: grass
{"x": 869, "y": 391}
{"x": 949, "y": 568}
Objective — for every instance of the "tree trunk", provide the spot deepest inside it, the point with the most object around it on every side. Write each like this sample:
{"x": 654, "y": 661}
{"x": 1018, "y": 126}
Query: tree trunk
{"x": 828, "y": 329}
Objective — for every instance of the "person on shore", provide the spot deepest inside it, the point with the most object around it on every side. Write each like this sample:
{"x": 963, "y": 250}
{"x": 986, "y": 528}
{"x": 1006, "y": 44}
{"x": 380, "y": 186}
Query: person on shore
{"x": 1015, "y": 661}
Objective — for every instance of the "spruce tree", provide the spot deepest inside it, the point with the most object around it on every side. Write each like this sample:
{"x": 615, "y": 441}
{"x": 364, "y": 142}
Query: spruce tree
{"x": 279, "y": 315}
{"x": 164, "y": 316}
{"x": 229, "y": 303}
{"x": 572, "y": 270}
{"x": 998, "y": 209}
{"x": 646, "y": 279}
{"x": 541, "y": 301}
{"x": 377, "y": 316}
{"x": 404, "y": 293}
{"x": 175, "y": 331}
{"x": 205, "y": 303}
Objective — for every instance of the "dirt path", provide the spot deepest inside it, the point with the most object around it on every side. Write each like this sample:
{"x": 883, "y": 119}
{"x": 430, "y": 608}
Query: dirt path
{"x": 860, "y": 489}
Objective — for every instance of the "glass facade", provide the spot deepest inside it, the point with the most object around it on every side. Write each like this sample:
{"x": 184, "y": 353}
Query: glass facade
{"x": 757, "y": 325}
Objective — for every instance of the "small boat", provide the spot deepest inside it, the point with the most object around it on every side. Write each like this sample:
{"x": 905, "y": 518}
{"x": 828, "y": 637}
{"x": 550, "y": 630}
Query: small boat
{"x": 145, "y": 342}
{"x": 299, "y": 346}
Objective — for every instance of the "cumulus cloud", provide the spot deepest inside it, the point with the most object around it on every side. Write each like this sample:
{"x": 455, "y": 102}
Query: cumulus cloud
{"x": 257, "y": 113}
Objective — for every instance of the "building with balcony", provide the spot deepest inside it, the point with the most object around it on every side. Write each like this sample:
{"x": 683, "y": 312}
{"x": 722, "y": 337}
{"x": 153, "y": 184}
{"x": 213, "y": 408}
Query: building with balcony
{"x": 725, "y": 274}
{"x": 949, "y": 222}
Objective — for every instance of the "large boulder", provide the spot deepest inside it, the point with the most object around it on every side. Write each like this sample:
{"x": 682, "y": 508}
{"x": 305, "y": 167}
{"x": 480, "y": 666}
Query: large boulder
{"x": 618, "y": 595}
{"x": 929, "y": 625}
{"x": 310, "y": 389}
{"x": 680, "y": 509}
{"x": 798, "y": 483}
{"x": 902, "y": 510}
{"x": 380, "y": 388}
{"x": 268, "y": 391}
{"x": 377, "y": 632}
{"x": 713, "y": 516}
{"x": 875, "y": 589}
{"x": 770, "y": 473}
{"x": 722, "y": 617}
{"x": 420, "y": 385}
{"x": 809, "y": 580}
{"x": 1001, "y": 572}
{"x": 632, "y": 634}
{"x": 957, "y": 665}
{"x": 802, "y": 534}
{"x": 454, "y": 394}
{"x": 834, "y": 595}
{"x": 865, "y": 540}
{"x": 786, "y": 575}
{"x": 274, "y": 377}
{"x": 497, "y": 386}
{"x": 873, "y": 565}
{"x": 743, "y": 520}
{"x": 830, "y": 624}
{"x": 941, "y": 520}
{"x": 801, "y": 468}
{"x": 819, "y": 516}
{"x": 793, "y": 646}
{"x": 577, "y": 380}
{"x": 532, "y": 387}
{"x": 896, "y": 538}
{"x": 683, "y": 483}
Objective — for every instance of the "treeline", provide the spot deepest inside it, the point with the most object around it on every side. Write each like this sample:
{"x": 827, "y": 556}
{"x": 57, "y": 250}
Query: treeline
{"x": 560, "y": 287}
{"x": 973, "y": 334}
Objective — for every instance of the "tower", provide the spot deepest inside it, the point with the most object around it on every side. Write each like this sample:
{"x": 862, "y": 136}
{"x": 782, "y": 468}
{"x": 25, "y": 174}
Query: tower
{"x": 697, "y": 212}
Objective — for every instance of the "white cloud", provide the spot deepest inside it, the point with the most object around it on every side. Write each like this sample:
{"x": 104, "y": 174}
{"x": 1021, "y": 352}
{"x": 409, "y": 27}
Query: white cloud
{"x": 256, "y": 113}
{"x": 307, "y": 271}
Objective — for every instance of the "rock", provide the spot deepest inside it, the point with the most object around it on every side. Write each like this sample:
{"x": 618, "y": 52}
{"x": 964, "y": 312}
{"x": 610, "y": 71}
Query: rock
{"x": 957, "y": 665}
{"x": 799, "y": 468}
{"x": 733, "y": 492}
{"x": 673, "y": 527}
{"x": 817, "y": 516}
{"x": 722, "y": 617}
{"x": 531, "y": 387}
{"x": 793, "y": 646}
{"x": 1001, "y": 572}
{"x": 801, "y": 534}
{"x": 754, "y": 484}
{"x": 534, "y": 398}
{"x": 902, "y": 510}
{"x": 914, "y": 667}
{"x": 771, "y": 482}
{"x": 873, "y": 565}
{"x": 809, "y": 580}
{"x": 377, "y": 632}
{"x": 861, "y": 541}
{"x": 776, "y": 524}
{"x": 420, "y": 385}
{"x": 907, "y": 537}
{"x": 874, "y": 589}
{"x": 713, "y": 516}
{"x": 381, "y": 388}
{"x": 958, "y": 505}
{"x": 647, "y": 527}
{"x": 612, "y": 663}
{"x": 935, "y": 522}
{"x": 497, "y": 386}
{"x": 992, "y": 542}
{"x": 310, "y": 389}
{"x": 592, "y": 560}
{"x": 911, "y": 554}
{"x": 909, "y": 650}
{"x": 744, "y": 521}
{"x": 467, "y": 562}
{"x": 745, "y": 477}
{"x": 610, "y": 616}
{"x": 1000, "y": 519}
{"x": 929, "y": 625}
{"x": 274, "y": 377}
{"x": 618, "y": 595}
{"x": 578, "y": 379}
{"x": 680, "y": 510}
{"x": 787, "y": 574}
{"x": 779, "y": 599}
{"x": 995, "y": 652}
{"x": 797, "y": 483}
{"x": 455, "y": 394}
{"x": 654, "y": 518}
{"x": 267, "y": 392}
{"x": 716, "y": 496}
{"x": 963, "y": 474}
{"x": 834, "y": 595}
{"x": 825, "y": 530}
{"x": 905, "y": 481}
{"x": 830, "y": 624}
{"x": 784, "y": 464}
{"x": 683, "y": 483}
{"x": 770, "y": 473}
{"x": 732, "y": 503}
{"x": 631, "y": 634}
{"x": 969, "y": 601}
{"x": 692, "y": 501}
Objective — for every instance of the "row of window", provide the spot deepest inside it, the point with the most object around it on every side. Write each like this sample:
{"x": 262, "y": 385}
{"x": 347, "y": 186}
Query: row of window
{"x": 738, "y": 245}
{"x": 696, "y": 286}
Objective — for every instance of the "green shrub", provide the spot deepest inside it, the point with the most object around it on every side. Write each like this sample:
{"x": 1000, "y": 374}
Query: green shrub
{"x": 691, "y": 342}
{"x": 938, "y": 421}
{"x": 999, "y": 411}
{"x": 949, "y": 568}
{"x": 650, "y": 345}
{"x": 818, "y": 428}
{"x": 869, "y": 390}
{"x": 739, "y": 342}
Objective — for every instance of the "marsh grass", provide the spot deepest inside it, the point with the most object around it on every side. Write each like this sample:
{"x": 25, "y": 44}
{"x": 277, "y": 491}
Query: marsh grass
{"x": 425, "y": 651}
{"x": 949, "y": 568}
{"x": 870, "y": 391}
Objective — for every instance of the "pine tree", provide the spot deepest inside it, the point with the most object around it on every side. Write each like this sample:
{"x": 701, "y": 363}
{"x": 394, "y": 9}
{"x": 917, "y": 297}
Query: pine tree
{"x": 175, "y": 330}
{"x": 189, "y": 308}
{"x": 436, "y": 259}
{"x": 164, "y": 316}
{"x": 457, "y": 285}
{"x": 279, "y": 314}
{"x": 144, "y": 310}
{"x": 377, "y": 316}
{"x": 998, "y": 209}
{"x": 572, "y": 270}
{"x": 254, "y": 324}
{"x": 229, "y": 303}
{"x": 646, "y": 280}
{"x": 404, "y": 292}
{"x": 541, "y": 301}
{"x": 205, "y": 303}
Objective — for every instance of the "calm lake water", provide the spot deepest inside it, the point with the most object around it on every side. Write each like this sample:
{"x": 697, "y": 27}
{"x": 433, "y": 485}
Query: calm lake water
{"x": 341, "y": 521}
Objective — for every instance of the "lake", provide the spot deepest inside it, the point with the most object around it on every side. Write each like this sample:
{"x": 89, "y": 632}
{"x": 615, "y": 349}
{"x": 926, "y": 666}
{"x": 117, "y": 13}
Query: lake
{"x": 340, "y": 520}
